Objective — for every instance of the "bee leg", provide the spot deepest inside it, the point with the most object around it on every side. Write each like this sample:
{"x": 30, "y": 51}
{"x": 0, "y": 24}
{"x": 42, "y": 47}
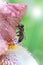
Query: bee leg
{"x": 17, "y": 31}
{"x": 20, "y": 39}
{"x": 18, "y": 35}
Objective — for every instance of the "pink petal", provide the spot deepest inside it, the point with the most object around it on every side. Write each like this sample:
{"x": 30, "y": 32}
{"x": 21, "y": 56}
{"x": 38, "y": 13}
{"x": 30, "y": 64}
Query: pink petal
{"x": 10, "y": 17}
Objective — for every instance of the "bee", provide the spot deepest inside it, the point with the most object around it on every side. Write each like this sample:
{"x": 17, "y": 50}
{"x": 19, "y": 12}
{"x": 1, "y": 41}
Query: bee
{"x": 21, "y": 32}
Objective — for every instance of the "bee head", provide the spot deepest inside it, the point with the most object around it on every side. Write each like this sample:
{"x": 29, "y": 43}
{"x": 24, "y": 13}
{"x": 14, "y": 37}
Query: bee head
{"x": 20, "y": 26}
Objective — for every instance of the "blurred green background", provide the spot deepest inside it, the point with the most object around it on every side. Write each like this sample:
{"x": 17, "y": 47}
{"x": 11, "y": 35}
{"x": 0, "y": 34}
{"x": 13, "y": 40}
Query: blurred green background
{"x": 33, "y": 22}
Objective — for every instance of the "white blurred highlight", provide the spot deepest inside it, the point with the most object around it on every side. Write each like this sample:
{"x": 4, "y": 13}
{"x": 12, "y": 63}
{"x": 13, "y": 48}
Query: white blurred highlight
{"x": 36, "y": 12}
{"x": 1, "y": 1}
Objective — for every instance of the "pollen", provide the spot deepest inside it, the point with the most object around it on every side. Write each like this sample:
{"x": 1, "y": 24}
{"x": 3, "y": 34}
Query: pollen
{"x": 12, "y": 46}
